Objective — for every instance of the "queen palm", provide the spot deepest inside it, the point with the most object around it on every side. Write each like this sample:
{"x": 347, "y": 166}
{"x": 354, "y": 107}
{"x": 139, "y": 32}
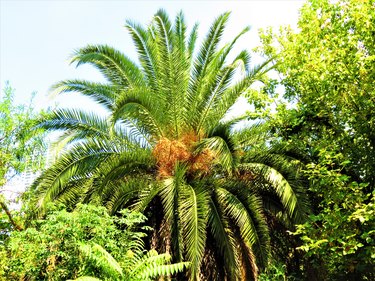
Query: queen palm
{"x": 168, "y": 148}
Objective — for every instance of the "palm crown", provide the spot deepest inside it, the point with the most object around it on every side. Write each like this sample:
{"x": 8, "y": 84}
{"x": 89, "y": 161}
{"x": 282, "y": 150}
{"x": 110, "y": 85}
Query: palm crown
{"x": 167, "y": 149}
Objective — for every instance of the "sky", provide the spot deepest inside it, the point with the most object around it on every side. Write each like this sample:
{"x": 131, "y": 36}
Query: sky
{"x": 37, "y": 37}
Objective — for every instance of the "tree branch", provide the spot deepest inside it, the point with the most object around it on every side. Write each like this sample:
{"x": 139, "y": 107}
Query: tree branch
{"x": 10, "y": 217}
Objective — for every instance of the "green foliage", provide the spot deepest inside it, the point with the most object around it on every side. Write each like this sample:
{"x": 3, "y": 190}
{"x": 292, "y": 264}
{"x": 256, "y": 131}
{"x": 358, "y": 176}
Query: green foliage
{"x": 167, "y": 148}
{"x": 342, "y": 234}
{"x": 135, "y": 267}
{"x": 19, "y": 148}
{"x": 49, "y": 249}
{"x": 276, "y": 272}
{"x": 327, "y": 110}
{"x": 328, "y": 71}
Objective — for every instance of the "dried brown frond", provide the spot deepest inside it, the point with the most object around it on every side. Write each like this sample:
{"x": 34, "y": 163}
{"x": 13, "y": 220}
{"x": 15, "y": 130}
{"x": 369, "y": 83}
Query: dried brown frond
{"x": 203, "y": 161}
{"x": 170, "y": 152}
{"x": 245, "y": 175}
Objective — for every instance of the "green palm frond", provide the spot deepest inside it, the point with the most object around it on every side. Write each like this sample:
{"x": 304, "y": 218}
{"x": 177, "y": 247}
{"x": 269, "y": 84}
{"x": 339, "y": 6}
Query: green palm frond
{"x": 103, "y": 94}
{"x": 206, "y": 53}
{"x": 192, "y": 40}
{"x": 254, "y": 206}
{"x": 280, "y": 184}
{"x": 138, "y": 106}
{"x": 230, "y": 95}
{"x": 117, "y": 195}
{"x": 75, "y": 120}
{"x": 114, "y": 65}
{"x": 194, "y": 217}
{"x": 221, "y": 232}
{"x": 222, "y": 151}
{"x": 250, "y": 137}
{"x": 102, "y": 260}
{"x": 171, "y": 199}
{"x": 237, "y": 210}
{"x": 146, "y": 53}
{"x": 81, "y": 160}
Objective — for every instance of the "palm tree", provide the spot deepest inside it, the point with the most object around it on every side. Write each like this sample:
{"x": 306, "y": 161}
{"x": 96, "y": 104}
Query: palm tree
{"x": 167, "y": 148}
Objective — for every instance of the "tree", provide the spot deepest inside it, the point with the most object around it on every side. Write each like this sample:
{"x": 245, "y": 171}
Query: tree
{"x": 169, "y": 150}
{"x": 328, "y": 73}
{"x": 20, "y": 149}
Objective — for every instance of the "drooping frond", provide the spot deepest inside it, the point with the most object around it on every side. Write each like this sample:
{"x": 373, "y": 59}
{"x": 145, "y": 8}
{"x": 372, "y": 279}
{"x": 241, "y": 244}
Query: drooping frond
{"x": 194, "y": 217}
{"x": 114, "y": 65}
{"x": 221, "y": 149}
{"x": 224, "y": 237}
{"x": 137, "y": 106}
{"x": 238, "y": 211}
{"x": 78, "y": 122}
{"x": 171, "y": 200}
{"x": 103, "y": 94}
{"x": 279, "y": 183}
{"x": 81, "y": 160}
{"x": 254, "y": 207}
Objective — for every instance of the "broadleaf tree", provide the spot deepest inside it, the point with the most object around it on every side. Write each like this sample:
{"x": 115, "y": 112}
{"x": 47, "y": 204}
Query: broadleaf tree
{"x": 327, "y": 73}
{"x": 21, "y": 148}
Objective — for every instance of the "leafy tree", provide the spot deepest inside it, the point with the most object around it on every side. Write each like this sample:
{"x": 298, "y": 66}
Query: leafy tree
{"x": 327, "y": 72}
{"x": 20, "y": 149}
{"x": 56, "y": 247}
{"x": 168, "y": 149}
{"x": 340, "y": 238}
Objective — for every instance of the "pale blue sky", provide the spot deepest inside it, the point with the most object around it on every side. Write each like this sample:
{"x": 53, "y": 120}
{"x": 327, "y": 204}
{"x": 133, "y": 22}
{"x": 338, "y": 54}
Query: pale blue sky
{"x": 37, "y": 37}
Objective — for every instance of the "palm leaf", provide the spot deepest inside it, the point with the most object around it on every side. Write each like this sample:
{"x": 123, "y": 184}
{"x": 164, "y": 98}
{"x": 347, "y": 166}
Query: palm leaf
{"x": 194, "y": 220}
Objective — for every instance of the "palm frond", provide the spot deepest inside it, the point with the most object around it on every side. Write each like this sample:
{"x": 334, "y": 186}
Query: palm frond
{"x": 103, "y": 94}
{"x": 238, "y": 211}
{"x": 254, "y": 206}
{"x": 221, "y": 149}
{"x": 81, "y": 160}
{"x": 114, "y": 65}
{"x": 224, "y": 238}
{"x": 138, "y": 105}
{"x": 206, "y": 52}
{"x": 82, "y": 123}
{"x": 101, "y": 259}
{"x": 230, "y": 95}
{"x": 171, "y": 200}
{"x": 194, "y": 211}
{"x": 146, "y": 53}
{"x": 279, "y": 183}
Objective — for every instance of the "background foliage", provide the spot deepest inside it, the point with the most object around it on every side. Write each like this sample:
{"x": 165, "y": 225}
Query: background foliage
{"x": 62, "y": 246}
{"x": 327, "y": 72}
{"x": 318, "y": 113}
